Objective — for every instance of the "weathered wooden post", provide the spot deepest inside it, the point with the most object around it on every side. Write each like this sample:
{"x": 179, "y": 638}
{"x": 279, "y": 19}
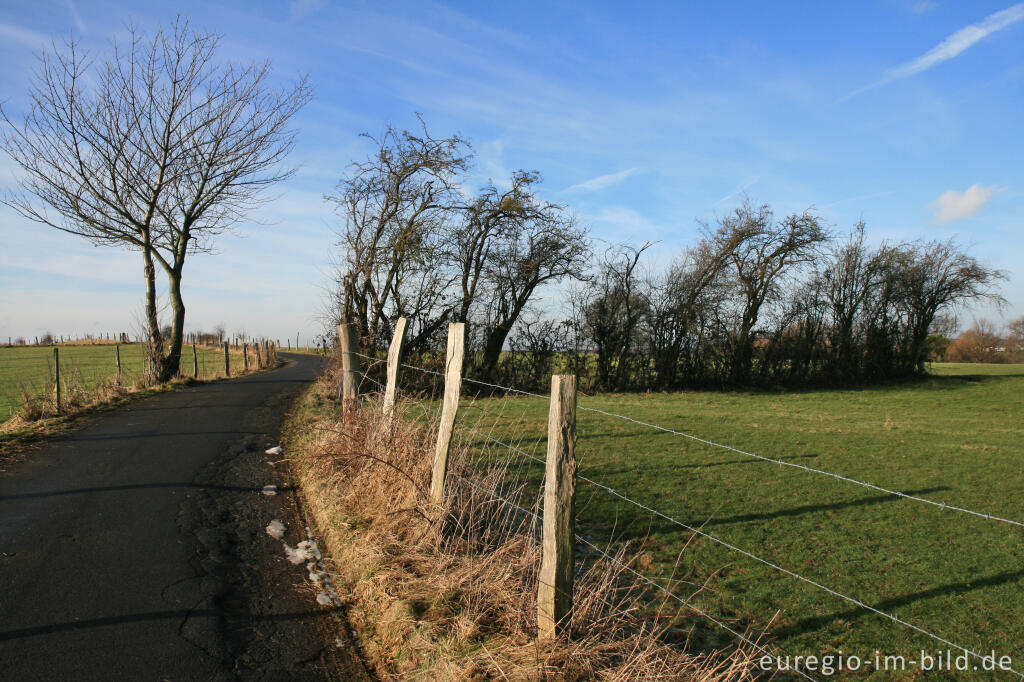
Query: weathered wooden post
{"x": 394, "y": 358}
{"x": 452, "y": 389}
{"x": 117, "y": 359}
{"x": 245, "y": 357}
{"x": 195, "y": 362}
{"x": 554, "y": 595}
{"x": 348, "y": 387}
{"x": 227, "y": 362}
{"x": 56, "y": 377}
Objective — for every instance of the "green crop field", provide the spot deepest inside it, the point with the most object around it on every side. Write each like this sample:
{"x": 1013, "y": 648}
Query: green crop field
{"x": 29, "y": 368}
{"x": 957, "y": 437}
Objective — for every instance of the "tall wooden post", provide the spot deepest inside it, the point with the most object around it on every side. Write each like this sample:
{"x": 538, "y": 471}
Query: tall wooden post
{"x": 245, "y": 357}
{"x": 452, "y": 389}
{"x": 117, "y": 359}
{"x": 348, "y": 387}
{"x": 394, "y": 358}
{"x": 195, "y": 362}
{"x": 56, "y": 377}
{"x": 554, "y": 595}
{"x": 227, "y": 362}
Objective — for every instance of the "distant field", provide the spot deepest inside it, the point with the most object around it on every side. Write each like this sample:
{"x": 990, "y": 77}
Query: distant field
{"x": 957, "y": 437}
{"x": 30, "y": 367}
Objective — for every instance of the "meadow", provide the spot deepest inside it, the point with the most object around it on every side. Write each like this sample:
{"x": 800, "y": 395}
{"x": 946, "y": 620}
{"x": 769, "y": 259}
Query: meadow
{"x": 28, "y": 370}
{"x": 955, "y": 437}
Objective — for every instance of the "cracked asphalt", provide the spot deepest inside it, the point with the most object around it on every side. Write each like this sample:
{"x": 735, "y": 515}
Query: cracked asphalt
{"x": 133, "y": 548}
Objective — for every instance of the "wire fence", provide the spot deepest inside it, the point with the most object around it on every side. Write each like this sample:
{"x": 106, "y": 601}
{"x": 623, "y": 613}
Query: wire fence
{"x": 652, "y": 582}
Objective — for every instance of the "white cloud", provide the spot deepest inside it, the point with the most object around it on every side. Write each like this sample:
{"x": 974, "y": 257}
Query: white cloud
{"x": 301, "y": 9}
{"x": 739, "y": 189}
{"x": 603, "y": 181}
{"x": 25, "y": 36}
{"x": 76, "y": 18}
{"x": 922, "y": 6}
{"x": 951, "y": 47}
{"x": 953, "y": 205}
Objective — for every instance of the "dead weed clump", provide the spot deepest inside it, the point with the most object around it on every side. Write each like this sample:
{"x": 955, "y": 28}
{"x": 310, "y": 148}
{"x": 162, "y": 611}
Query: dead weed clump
{"x": 450, "y": 593}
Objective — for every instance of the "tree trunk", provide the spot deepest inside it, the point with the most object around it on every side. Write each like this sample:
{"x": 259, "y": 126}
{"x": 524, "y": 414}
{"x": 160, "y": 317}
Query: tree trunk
{"x": 170, "y": 364}
{"x": 156, "y": 341}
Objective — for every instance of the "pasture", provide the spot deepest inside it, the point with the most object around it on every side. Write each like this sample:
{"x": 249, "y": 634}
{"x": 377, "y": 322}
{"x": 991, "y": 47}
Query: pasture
{"x": 956, "y": 437}
{"x": 30, "y": 368}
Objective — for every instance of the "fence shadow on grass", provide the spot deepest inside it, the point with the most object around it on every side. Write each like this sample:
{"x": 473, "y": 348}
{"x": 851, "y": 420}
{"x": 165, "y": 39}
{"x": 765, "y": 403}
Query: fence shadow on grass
{"x": 814, "y": 623}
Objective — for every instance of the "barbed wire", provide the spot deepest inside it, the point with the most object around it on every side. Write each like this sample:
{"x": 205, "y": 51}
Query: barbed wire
{"x": 605, "y": 555}
{"x": 724, "y": 543}
{"x": 754, "y": 557}
{"x": 822, "y": 472}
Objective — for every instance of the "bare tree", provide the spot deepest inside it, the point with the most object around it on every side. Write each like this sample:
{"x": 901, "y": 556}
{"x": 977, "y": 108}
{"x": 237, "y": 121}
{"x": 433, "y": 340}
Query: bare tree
{"x": 760, "y": 252}
{"x": 614, "y": 312}
{"x": 157, "y": 149}
{"x": 541, "y": 244}
{"x": 395, "y": 206}
{"x": 936, "y": 277}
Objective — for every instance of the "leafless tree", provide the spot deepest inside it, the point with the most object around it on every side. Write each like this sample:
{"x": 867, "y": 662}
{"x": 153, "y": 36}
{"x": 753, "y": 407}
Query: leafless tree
{"x": 512, "y": 244}
{"x": 761, "y": 251}
{"x": 936, "y": 277}
{"x": 158, "y": 149}
{"x": 614, "y": 312}
{"x": 396, "y": 205}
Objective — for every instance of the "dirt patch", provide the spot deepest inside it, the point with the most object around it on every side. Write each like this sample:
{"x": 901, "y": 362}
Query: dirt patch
{"x": 273, "y": 626}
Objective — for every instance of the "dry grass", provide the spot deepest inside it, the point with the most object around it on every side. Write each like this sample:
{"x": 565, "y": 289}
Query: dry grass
{"x": 79, "y": 393}
{"x": 76, "y": 395}
{"x": 450, "y": 594}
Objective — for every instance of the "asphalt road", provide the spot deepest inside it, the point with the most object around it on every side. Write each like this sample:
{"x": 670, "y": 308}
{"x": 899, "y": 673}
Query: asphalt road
{"x": 133, "y": 548}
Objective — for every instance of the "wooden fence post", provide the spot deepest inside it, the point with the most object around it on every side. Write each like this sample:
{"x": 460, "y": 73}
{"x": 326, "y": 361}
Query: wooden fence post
{"x": 555, "y": 592}
{"x": 245, "y": 357}
{"x": 195, "y": 362}
{"x": 452, "y": 388}
{"x": 56, "y": 377}
{"x": 117, "y": 359}
{"x": 348, "y": 387}
{"x": 227, "y": 362}
{"x": 394, "y": 358}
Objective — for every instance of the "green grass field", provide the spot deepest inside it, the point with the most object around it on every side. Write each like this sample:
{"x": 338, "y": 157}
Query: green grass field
{"x": 956, "y": 437}
{"x": 30, "y": 368}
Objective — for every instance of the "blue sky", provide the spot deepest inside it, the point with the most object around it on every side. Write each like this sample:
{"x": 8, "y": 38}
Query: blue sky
{"x": 643, "y": 119}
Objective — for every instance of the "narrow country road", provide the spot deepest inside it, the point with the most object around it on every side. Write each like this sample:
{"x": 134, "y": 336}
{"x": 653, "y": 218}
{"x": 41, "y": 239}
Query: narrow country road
{"x": 133, "y": 548}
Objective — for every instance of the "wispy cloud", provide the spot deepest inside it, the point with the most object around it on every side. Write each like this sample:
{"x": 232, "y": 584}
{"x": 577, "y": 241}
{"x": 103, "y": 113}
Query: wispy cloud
{"x": 76, "y": 18}
{"x": 953, "y": 205}
{"x": 25, "y": 36}
{"x": 603, "y": 181}
{"x": 951, "y": 47}
{"x": 922, "y": 6}
{"x": 740, "y": 189}
{"x": 300, "y": 9}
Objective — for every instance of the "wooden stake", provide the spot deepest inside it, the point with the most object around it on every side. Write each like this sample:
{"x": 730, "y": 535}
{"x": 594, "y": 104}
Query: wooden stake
{"x": 245, "y": 357}
{"x": 348, "y": 387}
{"x": 56, "y": 377}
{"x": 227, "y": 362}
{"x": 394, "y": 358}
{"x": 554, "y": 595}
{"x": 195, "y": 362}
{"x": 452, "y": 389}
{"x": 117, "y": 359}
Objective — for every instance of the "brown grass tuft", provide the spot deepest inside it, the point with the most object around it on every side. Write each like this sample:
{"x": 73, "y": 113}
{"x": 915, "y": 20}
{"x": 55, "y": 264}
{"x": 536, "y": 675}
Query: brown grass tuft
{"x": 450, "y": 594}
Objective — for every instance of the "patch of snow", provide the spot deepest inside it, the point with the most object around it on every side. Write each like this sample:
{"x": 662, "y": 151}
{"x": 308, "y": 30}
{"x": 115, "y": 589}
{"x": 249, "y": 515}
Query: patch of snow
{"x": 276, "y": 450}
{"x": 301, "y": 553}
{"x": 270, "y": 490}
{"x": 275, "y": 529}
